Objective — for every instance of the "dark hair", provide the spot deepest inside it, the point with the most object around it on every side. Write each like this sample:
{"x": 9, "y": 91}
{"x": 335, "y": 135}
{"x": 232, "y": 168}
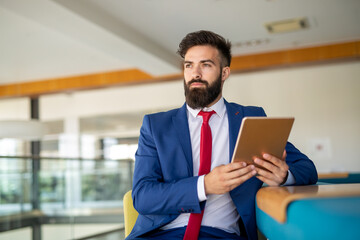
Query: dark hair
{"x": 207, "y": 38}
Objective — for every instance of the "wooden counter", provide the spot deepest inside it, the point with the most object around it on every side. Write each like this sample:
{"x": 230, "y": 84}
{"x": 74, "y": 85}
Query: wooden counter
{"x": 275, "y": 200}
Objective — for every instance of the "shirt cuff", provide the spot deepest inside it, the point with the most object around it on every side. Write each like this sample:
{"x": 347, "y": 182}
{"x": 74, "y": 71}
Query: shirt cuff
{"x": 201, "y": 188}
{"x": 290, "y": 179}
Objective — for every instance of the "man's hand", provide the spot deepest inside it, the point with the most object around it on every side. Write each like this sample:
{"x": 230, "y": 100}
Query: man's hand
{"x": 277, "y": 169}
{"x": 225, "y": 178}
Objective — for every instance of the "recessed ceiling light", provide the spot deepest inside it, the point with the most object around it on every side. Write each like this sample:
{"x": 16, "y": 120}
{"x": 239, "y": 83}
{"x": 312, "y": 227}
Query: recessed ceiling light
{"x": 288, "y": 25}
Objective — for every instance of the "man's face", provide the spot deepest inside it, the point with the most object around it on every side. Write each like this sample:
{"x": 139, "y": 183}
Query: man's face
{"x": 203, "y": 77}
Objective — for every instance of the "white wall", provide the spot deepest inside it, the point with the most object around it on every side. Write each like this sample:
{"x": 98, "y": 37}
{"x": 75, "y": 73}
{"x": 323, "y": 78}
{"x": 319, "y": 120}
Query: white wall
{"x": 15, "y": 109}
{"x": 148, "y": 97}
{"x": 324, "y": 99}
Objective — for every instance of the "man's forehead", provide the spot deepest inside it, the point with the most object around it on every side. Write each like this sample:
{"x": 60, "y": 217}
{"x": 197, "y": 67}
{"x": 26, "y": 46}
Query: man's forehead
{"x": 201, "y": 53}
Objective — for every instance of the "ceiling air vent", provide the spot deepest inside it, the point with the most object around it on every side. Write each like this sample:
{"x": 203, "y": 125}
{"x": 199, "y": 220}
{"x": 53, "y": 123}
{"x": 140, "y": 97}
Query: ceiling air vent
{"x": 287, "y": 25}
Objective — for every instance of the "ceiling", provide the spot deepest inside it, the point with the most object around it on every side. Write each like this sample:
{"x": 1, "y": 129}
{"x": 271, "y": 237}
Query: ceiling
{"x": 42, "y": 39}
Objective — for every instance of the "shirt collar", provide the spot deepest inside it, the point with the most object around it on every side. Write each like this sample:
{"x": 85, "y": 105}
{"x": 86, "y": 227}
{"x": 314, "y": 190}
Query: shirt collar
{"x": 219, "y": 108}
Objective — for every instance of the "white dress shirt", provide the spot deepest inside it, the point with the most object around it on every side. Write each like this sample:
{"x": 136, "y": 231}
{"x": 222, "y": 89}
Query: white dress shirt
{"x": 220, "y": 211}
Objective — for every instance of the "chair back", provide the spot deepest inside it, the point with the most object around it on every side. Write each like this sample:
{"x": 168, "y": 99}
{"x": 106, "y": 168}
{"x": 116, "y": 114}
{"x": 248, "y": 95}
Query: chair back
{"x": 130, "y": 214}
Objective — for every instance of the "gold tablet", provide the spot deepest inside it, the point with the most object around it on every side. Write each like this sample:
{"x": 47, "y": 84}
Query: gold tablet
{"x": 259, "y": 135}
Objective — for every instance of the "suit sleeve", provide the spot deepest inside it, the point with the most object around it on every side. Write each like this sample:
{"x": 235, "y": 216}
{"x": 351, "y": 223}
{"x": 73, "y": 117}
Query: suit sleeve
{"x": 151, "y": 194}
{"x": 302, "y": 168}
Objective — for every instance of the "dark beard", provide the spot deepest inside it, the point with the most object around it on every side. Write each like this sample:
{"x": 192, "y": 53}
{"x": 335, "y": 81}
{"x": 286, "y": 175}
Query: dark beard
{"x": 202, "y": 97}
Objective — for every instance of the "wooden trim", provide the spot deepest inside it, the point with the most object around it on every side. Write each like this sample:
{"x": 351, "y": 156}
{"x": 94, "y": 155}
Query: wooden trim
{"x": 89, "y": 81}
{"x": 350, "y": 50}
{"x": 320, "y": 54}
{"x": 275, "y": 200}
{"x": 333, "y": 175}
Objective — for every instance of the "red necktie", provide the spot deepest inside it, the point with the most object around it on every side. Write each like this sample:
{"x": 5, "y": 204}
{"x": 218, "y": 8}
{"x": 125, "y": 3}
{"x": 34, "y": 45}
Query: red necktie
{"x": 193, "y": 228}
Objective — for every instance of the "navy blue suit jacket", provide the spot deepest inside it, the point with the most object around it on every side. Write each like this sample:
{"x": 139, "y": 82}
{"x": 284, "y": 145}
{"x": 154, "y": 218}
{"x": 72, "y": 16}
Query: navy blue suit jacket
{"x": 164, "y": 185}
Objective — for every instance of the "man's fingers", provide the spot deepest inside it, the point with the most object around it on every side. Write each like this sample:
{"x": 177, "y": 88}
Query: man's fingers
{"x": 271, "y": 178}
{"x": 224, "y": 178}
{"x": 233, "y": 166}
{"x": 233, "y": 183}
{"x": 240, "y": 172}
{"x": 273, "y": 164}
{"x": 276, "y": 169}
{"x": 267, "y": 165}
{"x": 266, "y": 174}
{"x": 274, "y": 160}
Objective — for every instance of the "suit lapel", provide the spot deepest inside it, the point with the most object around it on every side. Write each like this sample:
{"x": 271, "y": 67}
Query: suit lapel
{"x": 181, "y": 125}
{"x": 180, "y": 122}
{"x": 235, "y": 116}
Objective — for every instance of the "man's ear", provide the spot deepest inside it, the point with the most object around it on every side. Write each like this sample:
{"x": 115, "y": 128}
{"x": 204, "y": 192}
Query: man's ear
{"x": 225, "y": 73}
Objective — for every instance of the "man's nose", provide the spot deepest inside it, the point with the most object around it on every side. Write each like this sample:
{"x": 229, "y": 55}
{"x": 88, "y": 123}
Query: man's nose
{"x": 196, "y": 73}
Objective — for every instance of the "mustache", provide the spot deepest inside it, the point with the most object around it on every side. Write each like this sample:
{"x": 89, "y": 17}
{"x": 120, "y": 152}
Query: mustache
{"x": 197, "y": 81}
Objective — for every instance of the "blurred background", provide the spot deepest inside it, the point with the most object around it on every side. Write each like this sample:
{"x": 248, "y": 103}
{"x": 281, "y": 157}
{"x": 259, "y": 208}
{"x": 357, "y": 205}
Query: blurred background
{"x": 77, "y": 77}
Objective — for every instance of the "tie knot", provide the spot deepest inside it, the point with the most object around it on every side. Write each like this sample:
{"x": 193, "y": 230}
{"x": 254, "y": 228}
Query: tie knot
{"x": 206, "y": 115}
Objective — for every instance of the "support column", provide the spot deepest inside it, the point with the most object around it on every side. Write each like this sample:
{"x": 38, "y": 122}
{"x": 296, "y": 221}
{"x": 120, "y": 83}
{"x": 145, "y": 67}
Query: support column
{"x": 35, "y": 153}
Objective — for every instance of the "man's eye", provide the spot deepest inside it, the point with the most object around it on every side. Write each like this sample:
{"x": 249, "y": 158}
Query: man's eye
{"x": 187, "y": 65}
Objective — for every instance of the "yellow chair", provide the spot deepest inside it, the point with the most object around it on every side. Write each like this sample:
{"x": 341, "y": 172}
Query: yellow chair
{"x": 130, "y": 214}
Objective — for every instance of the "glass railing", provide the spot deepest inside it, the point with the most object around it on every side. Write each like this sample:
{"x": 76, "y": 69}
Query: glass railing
{"x": 75, "y": 197}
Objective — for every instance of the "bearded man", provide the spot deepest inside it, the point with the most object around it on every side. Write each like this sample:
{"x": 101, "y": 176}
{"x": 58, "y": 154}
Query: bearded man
{"x": 185, "y": 186}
